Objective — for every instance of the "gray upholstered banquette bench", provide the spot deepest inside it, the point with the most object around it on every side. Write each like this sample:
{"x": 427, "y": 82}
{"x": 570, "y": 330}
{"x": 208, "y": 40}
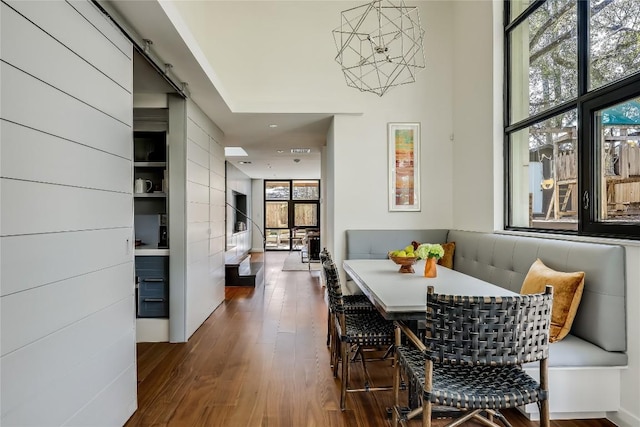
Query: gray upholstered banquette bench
{"x": 584, "y": 367}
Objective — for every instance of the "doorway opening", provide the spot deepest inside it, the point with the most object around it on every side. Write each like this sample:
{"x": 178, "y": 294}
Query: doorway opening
{"x": 292, "y": 213}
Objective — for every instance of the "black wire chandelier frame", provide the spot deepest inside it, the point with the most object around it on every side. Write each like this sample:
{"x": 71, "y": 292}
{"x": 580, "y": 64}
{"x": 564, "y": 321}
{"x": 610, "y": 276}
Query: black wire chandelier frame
{"x": 380, "y": 45}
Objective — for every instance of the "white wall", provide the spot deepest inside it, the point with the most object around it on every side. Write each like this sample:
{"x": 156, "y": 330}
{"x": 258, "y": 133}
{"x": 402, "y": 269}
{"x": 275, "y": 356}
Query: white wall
{"x": 257, "y": 215}
{"x": 474, "y": 164}
{"x": 629, "y": 413}
{"x": 205, "y": 218}
{"x": 359, "y": 146}
{"x": 327, "y": 193}
{"x": 67, "y": 287}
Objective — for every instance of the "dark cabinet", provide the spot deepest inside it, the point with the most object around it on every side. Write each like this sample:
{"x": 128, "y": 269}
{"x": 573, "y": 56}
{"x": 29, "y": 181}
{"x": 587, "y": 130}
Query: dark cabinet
{"x": 152, "y": 278}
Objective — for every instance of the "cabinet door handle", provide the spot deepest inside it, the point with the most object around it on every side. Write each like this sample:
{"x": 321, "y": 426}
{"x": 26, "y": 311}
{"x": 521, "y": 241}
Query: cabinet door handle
{"x": 154, "y": 300}
{"x": 153, "y": 279}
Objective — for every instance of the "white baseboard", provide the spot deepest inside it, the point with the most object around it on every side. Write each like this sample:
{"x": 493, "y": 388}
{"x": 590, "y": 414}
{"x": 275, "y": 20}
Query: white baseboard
{"x": 623, "y": 418}
{"x": 571, "y": 392}
{"x": 535, "y": 416}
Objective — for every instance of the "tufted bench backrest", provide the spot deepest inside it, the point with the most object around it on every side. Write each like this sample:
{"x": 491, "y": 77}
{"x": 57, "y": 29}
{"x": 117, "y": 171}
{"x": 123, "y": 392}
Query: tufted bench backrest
{"x": 505, "y": 260}
{"x": 375, "y": 244}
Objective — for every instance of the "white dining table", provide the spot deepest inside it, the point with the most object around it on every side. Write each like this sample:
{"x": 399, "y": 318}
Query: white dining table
{"x": 403, "y": 296}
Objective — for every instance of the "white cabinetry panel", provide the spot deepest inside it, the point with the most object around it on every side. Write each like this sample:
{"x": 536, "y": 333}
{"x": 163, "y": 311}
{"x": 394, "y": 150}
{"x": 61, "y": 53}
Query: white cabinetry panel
{"x": 59, "y": 256}
{"x": 217, "y": 244}
{"x": 120, "y": 395}
{"x": 201, "y": 307}
{"x": 92, "y": 292}
{"x": 107, "y": 28}
{"x": 217, "y": 164}
{"x": 197, "y": 251}
{"x": 109, "y": 51}
{"x": 197, "y": 212}
{"x": 205, "y": 291}
{"x": 197, "y": 135}
{"x": 45, "y": 58}
{"x": 197, "y": 154}
{"x": 51, "y": 374}
{"x": 66, "y": 296}
{"x": 197, "y": 173}
{"x": 36, "y": 156}
{"x": 198, "y": 231}
{"x": 45, "y": 208}
{"x": 217, "y": 212}
{"x": 217, "y": 228}
{"x": 217, "y": 181}
{"x": 197, "y": 193}
{"x": 30, "y": 102}
{"x": 91, "y": 377}
{"x": 217, "y": 197}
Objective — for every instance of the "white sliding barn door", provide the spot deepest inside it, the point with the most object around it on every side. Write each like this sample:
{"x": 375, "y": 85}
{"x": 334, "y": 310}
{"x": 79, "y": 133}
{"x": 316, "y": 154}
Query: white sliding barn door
{"x": 204, "y": 219}
{"x": 66, "y": 286}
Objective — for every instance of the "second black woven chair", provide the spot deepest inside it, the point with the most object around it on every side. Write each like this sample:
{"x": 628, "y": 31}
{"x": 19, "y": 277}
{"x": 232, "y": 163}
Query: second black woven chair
{"x": 352, "y": 303}
{"x": 472, "y": 356}
{"x": 354, "y": 330}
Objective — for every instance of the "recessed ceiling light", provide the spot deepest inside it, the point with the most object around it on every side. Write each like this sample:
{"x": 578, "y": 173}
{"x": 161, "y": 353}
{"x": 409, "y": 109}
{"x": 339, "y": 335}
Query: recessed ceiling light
{"x": 273, "y": 125}
{"x": 300, "y": 150}
{"x": 280, "y": 151}
{"x": 242, "y": 162}
{"x": 234, "y": 151}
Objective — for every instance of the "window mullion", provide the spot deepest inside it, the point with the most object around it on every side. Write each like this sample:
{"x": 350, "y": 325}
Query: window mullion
{"x": 584, "y": 143}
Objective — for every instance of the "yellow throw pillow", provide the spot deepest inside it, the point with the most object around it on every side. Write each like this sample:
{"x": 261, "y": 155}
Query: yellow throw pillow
{"x": 447, "y": 258}
{"x": 567, "y": 292}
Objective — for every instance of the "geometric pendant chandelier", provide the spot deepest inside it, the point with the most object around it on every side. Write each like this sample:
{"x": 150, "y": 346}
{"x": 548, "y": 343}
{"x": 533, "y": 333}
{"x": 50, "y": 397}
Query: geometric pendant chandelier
{"x": 380, "y": 45}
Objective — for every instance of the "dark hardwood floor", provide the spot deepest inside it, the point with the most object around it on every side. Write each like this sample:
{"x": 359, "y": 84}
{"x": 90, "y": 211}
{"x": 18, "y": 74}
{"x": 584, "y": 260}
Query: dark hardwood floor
{"x": 261, "y": 360}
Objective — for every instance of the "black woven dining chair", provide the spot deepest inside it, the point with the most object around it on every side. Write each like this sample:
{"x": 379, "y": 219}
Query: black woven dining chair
{"x": 355, "y": 330}
{"x": 352, "y": 303}
{"x": 472, "y": 355}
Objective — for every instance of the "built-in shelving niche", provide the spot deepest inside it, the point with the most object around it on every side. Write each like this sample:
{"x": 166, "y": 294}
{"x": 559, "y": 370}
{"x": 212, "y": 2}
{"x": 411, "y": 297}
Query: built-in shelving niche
{"x": 151, "y": 170}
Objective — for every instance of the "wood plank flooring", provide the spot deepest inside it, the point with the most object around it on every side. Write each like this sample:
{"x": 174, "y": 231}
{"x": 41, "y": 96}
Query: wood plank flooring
{"x": 261, "y": 360}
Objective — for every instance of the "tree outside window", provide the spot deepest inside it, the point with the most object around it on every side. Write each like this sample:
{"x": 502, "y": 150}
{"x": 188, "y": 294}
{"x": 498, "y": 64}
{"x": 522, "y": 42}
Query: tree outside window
{"x": 572, "y": 67}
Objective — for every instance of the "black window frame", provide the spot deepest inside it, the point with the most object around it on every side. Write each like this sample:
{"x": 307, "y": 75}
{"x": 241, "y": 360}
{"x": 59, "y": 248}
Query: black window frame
{"x": 586, "y": 103}
{"x": 291, "y": 203}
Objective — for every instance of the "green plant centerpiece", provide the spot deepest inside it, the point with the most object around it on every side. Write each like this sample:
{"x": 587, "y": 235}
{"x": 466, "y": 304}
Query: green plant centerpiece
{"x": 429, "y": 250}
{"x": 431, "y": 253}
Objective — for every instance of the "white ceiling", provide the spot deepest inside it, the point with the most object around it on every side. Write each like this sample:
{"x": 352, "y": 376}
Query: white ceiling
{"x": 268, "y": 148}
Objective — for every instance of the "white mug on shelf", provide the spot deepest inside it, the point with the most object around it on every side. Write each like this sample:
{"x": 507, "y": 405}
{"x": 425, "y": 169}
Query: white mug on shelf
{"x": 143, "y": 185}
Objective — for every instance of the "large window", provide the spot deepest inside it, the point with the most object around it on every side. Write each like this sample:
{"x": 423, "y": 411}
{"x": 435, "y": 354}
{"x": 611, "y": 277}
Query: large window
{"x": 292, "y": 210}
{"x": 572, "y": 116}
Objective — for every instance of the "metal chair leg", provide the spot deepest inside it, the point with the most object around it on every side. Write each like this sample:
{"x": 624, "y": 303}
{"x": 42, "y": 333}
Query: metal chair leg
{"x": 345, "y": 375}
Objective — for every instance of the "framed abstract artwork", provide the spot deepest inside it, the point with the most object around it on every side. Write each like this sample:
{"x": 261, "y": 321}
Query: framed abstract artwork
{"x": 404, "y": 166}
